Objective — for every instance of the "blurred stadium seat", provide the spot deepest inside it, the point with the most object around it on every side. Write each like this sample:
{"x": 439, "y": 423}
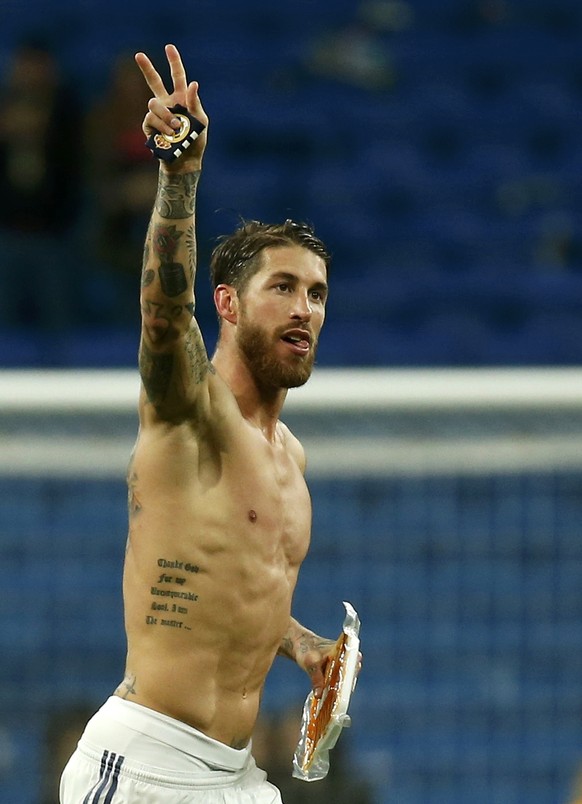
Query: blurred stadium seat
{"x": 446, "y": 200}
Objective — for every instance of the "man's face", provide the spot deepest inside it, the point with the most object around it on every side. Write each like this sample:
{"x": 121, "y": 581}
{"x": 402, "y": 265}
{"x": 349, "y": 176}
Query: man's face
{"x": 281, "y": 313}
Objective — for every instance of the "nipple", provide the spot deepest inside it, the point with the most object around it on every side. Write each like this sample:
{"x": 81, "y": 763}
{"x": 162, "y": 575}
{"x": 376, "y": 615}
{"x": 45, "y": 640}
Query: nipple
{"x": 252, "y": 515}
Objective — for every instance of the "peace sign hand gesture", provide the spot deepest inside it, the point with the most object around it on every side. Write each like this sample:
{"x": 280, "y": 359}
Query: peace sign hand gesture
{"x": 160, "y": 118}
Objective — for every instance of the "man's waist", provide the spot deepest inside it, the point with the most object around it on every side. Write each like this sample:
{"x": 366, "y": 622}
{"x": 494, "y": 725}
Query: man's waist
{"x": 171, "y": 732}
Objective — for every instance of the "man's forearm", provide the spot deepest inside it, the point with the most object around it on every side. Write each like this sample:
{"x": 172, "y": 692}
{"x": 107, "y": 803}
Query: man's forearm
{"x": 172, "y": 355}
{"x": 298, "y": 641}
{"x": 171, "y": 237}
{"x": 169, "y": 264}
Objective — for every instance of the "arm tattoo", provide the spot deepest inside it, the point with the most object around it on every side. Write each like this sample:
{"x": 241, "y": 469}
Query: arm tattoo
{"x": 167, "y": 299}
{"x": 176, "y": 195}
{"x": 286, "y": 648}
{"x": 191, "y": 246}
{"x": 172, "y": 274}
{"x": 165, "y": 241}
{"x": 173, "y": 278}
{"x": 298, "y": 641}
{"x": 156, "y": 373}
{"x": 197, "y": 358}
{"x": 147, "y": 277}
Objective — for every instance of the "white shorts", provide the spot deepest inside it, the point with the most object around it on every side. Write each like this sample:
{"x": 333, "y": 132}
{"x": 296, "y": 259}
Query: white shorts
{"x": 129, "y": 754}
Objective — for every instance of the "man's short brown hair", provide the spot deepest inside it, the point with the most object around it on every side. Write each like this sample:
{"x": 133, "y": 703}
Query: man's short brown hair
{"x": 237, "y": 257}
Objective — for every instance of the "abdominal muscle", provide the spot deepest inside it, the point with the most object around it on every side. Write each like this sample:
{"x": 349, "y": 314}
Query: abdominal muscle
{"x": 205, "y": 662}
{"x": 207, "y": 603}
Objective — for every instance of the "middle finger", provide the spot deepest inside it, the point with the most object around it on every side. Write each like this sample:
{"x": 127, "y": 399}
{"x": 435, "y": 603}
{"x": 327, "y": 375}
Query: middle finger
{"x": 176, "y": 68}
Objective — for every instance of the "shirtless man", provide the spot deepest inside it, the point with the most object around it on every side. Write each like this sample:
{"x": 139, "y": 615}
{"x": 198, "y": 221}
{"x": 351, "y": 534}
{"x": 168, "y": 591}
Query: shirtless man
{"x": 219, "y": 513}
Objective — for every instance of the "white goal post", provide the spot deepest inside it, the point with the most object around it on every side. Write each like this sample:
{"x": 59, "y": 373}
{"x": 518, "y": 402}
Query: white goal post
{"x": 368, "y": 422}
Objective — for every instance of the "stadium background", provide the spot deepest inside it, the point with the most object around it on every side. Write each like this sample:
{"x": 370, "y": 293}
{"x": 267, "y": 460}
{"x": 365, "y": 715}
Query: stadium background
{"x": 438, "y": 156}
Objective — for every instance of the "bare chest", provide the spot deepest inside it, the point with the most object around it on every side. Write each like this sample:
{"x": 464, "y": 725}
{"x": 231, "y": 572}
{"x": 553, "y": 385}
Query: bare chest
{"x": 250, "y": 498}
{"x": 269, "y": 497}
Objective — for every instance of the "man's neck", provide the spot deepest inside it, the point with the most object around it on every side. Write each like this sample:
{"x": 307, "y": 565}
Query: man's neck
{"x": 259, "y": 406}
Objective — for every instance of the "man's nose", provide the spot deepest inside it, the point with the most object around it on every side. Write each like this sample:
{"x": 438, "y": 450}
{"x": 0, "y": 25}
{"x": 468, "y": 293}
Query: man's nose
{"x": 302, "y": 306}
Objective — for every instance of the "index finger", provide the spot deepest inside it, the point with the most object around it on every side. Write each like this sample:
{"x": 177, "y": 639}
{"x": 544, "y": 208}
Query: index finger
{"x": 151, "y": 75}
{"x": 176, "y": 68}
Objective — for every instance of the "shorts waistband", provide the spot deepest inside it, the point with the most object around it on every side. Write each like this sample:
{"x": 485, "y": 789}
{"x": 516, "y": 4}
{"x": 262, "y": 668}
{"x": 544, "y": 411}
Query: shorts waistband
{"x": 174, "y": 733}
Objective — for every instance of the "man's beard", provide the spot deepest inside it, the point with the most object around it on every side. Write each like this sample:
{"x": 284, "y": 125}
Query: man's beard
{"x": 268, "y": 370}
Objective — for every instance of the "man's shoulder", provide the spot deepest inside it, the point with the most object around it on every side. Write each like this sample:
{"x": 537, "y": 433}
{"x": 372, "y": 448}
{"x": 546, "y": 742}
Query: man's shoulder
{"x": 286, "y": 433}
{"x": 293, "y": 445}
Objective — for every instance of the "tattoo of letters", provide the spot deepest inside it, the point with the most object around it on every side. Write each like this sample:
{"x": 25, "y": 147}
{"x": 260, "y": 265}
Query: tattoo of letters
{"x": 169, "y": 588}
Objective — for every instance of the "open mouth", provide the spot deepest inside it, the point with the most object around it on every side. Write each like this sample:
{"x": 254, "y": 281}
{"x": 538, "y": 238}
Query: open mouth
{"x": 298, "y": 340}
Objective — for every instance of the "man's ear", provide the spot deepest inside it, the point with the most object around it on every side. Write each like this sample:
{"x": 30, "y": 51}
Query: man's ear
{"x": 226, "y": 302}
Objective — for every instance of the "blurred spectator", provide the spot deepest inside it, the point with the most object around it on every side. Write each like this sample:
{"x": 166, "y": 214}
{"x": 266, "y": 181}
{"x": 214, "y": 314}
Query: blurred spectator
{"x": 64, "y": 729}
{"x": 40, "y": 187}
{"x": 388, "y": 16}
{"x": 355, "y": 54}
{"x": 274, "y": 741}
{"x": 482, "y": 14}
{"x": 576, "y": 793}
{"x": 123, "y": 180}
{"x": 558, "y": 244}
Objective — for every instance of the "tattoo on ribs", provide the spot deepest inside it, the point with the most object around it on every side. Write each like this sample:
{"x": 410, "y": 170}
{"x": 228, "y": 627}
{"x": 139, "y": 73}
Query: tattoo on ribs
{"x": 176, "y": 194}
{"x": 133, "y": 501}
{"x": 167, "y": 612}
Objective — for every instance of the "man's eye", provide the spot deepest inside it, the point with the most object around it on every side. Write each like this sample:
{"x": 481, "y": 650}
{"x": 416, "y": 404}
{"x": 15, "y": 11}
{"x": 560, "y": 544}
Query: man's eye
{"x": 283, "y": 286}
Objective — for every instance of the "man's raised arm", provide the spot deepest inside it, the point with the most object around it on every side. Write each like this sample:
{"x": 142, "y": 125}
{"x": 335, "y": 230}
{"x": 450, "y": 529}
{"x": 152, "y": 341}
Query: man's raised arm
{"x": 173, "y": 360}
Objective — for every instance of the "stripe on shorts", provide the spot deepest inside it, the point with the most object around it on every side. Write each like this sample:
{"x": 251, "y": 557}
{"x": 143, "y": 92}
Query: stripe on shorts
{"x": 104, "y": 788}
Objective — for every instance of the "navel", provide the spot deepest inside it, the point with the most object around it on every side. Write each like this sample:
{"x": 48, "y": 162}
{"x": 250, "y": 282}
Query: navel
{"x": 252, "y": 516}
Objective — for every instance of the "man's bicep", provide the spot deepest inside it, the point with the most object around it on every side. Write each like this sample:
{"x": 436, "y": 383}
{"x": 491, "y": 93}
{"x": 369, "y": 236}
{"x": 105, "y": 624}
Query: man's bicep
{"x": 175, "y": 379}
{"x": 195, "y": 357}
{"x": 156, "y": 370}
